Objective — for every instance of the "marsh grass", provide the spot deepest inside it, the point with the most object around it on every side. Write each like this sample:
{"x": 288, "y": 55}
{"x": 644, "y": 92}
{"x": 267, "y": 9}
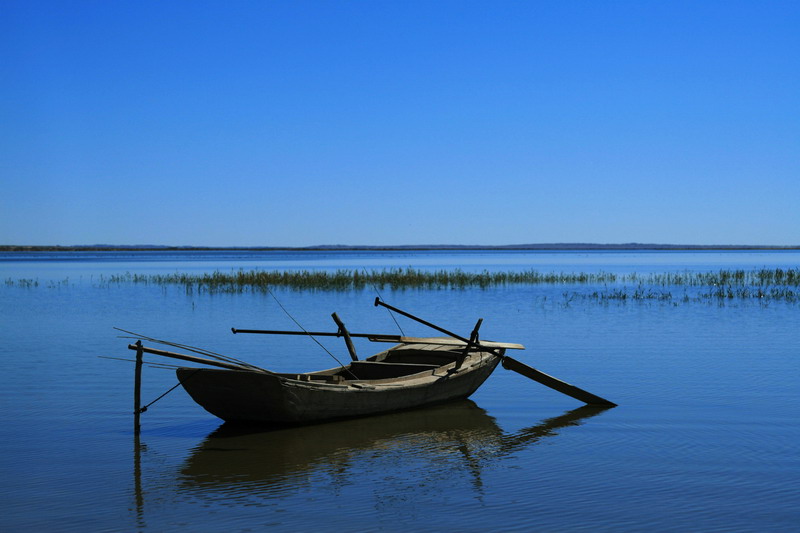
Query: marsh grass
{"x": 400, "y": 278}
{"x": 772, "y": 284}
{"x": 761, "y": 284}
{"x": 25, "y": 283}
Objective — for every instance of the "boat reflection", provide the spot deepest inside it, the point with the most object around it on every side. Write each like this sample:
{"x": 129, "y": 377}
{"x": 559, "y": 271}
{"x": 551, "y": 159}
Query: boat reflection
{"x": 233, "y": 458}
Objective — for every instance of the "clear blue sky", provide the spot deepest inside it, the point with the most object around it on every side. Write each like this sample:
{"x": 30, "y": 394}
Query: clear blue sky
{"x": 399, "y": 122}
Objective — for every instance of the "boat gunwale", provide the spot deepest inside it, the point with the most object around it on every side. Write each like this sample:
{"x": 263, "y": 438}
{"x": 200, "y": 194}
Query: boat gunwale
{"x": 474, "y": 360}
{"x": 454, "y": 352}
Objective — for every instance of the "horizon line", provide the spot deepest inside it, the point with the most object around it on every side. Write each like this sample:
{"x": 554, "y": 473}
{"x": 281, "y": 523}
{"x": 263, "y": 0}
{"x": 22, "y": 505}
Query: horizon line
{"x": 389, "y": 247}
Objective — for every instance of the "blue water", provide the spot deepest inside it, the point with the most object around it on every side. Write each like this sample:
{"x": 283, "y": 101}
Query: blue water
{"x": 80, "y": 265}
{"x": 704, "y": 438}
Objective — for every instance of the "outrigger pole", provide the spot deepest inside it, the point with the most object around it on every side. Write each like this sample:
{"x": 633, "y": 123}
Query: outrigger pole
{"x": 512, "y": 364}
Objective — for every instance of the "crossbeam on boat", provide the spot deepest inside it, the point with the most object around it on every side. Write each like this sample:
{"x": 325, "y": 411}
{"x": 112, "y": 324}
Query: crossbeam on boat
{"x": 380, "y": 337}
{"x": 444, "y": 341}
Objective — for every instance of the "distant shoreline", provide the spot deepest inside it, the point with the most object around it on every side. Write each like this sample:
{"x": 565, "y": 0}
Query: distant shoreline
{"x": 432, "y": 247}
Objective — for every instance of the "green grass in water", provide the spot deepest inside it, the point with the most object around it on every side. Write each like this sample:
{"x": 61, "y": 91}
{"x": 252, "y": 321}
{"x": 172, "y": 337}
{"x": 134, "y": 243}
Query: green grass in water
{"x": 773, "y": 284}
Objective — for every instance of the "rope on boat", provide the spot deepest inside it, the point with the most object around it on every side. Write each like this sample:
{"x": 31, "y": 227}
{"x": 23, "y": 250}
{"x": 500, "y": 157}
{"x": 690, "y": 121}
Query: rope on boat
{"x": 403, "y": 333}
{"x": 178, "y": 384}
{"x": 154, "y": 365}
{"x": 308, "y": 334}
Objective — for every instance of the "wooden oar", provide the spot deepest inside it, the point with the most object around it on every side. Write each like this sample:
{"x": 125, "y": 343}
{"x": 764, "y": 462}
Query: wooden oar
{"x": 547, "y": 380}
{"x": 517, "y": 366}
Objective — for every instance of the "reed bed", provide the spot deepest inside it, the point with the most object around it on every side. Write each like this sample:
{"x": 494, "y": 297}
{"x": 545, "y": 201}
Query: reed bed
{"x": 719, "y": 293}
{"x": 737, "y": 278}
{"x": 399, "y": 278}
{"x": 760, "y": 284}
{"x": 26, "y": 283}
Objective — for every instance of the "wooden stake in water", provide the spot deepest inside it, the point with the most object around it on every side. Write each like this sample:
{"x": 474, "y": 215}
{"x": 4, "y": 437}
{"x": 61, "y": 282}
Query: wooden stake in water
{"x": 137, "y": 387}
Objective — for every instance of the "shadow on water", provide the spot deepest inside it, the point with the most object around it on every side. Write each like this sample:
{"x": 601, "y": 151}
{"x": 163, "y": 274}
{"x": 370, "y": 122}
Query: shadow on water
{"x": 237, "y": 462}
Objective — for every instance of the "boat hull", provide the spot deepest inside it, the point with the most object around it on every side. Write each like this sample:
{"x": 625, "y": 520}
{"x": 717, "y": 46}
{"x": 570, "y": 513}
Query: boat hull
{"x": 253, "y": 397}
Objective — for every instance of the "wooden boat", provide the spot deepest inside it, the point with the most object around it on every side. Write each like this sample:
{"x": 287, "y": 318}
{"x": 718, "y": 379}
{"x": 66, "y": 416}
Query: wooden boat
{"x": 405, "y": 376}
{"x": 415, "y": 372}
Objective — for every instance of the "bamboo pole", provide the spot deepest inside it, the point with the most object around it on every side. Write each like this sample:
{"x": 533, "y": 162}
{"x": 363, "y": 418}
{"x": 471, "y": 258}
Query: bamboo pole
{"x": 193, "y": 359}
{"x": 376, "y": 336}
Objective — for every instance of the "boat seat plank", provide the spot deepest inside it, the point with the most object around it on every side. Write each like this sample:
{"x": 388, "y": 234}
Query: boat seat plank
{"x": 445, "y": 341}
{"x": 383, "y": 370}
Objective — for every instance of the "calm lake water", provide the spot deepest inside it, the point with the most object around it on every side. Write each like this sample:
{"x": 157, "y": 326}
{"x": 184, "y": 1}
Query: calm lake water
{"x": 705, "y": 437}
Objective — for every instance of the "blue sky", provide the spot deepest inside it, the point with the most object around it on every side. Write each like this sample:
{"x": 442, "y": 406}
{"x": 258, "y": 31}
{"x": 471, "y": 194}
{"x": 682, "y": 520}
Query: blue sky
{"x": 399, "y": 122}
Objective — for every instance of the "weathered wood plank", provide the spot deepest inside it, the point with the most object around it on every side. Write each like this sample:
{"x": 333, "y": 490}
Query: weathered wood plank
{"x": 445, "y": 341}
